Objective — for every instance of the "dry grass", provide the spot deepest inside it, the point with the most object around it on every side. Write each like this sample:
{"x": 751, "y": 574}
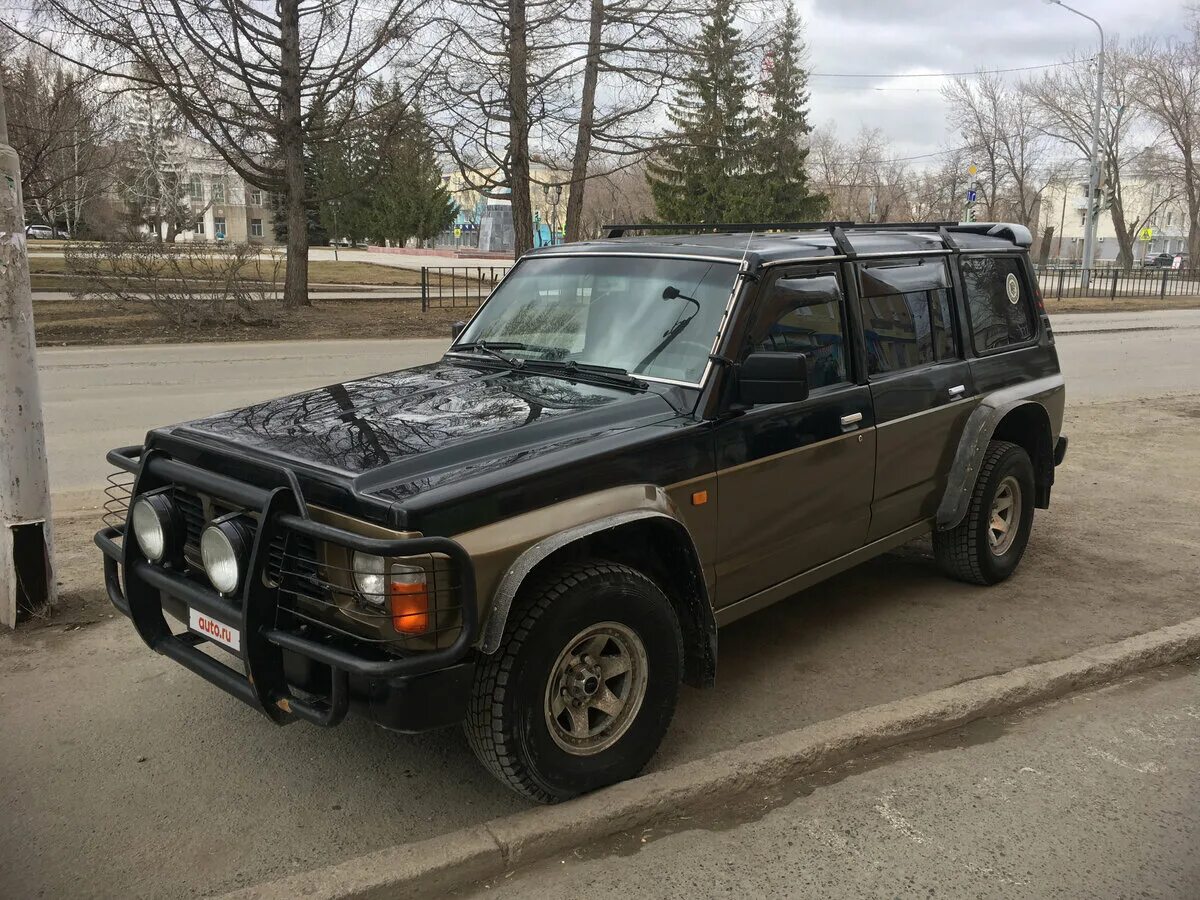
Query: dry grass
{"x": 321, "y": 271}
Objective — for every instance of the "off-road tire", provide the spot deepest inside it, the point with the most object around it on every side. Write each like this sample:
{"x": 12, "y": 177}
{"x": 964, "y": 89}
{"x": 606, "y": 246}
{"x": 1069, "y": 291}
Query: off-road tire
{"x": 963, "y": 552}
{"x": 506, "y": 723}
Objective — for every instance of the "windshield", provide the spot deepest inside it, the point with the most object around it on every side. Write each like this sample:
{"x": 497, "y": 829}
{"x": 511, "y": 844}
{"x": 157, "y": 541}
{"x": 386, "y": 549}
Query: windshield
{"x": 652, "y": 317}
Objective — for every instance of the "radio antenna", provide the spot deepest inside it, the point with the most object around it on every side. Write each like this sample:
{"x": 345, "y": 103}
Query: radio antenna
{"x": 746, "y": 252}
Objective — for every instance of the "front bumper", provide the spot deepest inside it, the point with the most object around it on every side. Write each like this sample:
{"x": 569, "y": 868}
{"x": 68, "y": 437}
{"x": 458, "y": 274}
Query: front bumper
{"x": 287, "y": 672}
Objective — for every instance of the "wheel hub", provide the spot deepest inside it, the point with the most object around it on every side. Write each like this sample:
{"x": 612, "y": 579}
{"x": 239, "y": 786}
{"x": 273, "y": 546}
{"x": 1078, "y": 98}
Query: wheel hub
{"x": 1005, "y": 518}
{"x": 596, "y": 688}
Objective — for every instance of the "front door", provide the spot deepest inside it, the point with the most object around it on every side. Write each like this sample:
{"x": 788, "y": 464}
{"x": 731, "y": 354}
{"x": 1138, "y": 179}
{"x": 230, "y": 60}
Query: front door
{"x": 794, "y": 480}
{"x": 921, "y": 387}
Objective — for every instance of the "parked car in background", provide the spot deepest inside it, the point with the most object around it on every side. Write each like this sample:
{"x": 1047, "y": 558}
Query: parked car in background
{"x": 39, "y": 232}
{"x": 1166, "y": 261}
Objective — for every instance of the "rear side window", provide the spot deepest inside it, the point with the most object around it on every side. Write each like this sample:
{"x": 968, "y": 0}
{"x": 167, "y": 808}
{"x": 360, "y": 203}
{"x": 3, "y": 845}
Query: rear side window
{"x": 998, "y": 302}
{"x": 906, "y": 316}
{"x": 803, "y": 314}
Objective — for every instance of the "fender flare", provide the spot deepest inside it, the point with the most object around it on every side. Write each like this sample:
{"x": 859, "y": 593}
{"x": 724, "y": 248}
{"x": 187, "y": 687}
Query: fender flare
{"x": 510, "y": 584}
{"x": 978, "y": 431}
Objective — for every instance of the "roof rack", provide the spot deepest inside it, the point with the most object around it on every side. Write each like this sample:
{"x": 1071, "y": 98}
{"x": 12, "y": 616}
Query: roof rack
{"x": 1018, "y": 234}
{"x": 616, "y": 231}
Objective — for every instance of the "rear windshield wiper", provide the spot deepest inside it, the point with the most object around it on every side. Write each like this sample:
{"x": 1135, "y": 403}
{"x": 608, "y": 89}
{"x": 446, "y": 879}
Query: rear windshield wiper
{"x": 493, "y": 349}
{"x": 591, "y": 371}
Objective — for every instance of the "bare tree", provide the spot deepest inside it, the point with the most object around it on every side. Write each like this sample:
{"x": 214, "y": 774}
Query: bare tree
{"x": 864, "y": 179}
{"x": 256, "y": 81}
{"x": 500, "y": 81}
{"x": 1064, "y": 98}
{"x": 59, "y": 123}
{"x": 631, "y": 53}
{"x": 1000, "y": 127}
{"x": 1167, "y": 77}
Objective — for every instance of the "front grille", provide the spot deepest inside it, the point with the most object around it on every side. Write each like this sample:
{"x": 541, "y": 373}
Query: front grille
{"x": 191, "y": 507}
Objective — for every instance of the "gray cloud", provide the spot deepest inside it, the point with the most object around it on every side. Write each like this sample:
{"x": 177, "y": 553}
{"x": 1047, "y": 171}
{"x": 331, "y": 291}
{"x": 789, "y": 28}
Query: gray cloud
{"x": 911, "y": 36}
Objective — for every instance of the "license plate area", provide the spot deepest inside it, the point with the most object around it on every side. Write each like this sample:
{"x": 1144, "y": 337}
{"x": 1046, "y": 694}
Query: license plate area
{"x": 214, "y": 630}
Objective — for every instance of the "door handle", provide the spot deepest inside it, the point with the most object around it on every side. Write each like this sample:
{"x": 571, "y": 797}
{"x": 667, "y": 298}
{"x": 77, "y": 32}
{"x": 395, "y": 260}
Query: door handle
{"x": 852, "y": 419}
{"x": 957, "y": 390}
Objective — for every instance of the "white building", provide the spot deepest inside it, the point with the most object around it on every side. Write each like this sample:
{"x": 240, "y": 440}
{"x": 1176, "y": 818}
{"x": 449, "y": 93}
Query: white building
{"x": 1064, "y": 208}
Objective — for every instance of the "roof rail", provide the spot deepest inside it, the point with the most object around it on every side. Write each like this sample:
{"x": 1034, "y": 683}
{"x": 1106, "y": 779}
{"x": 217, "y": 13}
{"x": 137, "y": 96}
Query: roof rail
{"x": 616, "y": 231}
{"x": 1018, "y": 234}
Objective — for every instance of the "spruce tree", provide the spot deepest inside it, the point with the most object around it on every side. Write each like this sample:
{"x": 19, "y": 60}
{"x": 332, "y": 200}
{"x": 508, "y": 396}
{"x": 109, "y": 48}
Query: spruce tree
{"x": 780, "y": 186}
{"x": 701, "y": 173}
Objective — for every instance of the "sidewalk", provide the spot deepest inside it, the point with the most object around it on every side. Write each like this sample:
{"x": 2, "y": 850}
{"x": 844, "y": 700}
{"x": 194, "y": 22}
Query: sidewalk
{"x": 1096, "y": 795}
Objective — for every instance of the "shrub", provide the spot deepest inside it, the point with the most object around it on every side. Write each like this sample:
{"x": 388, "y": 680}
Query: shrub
{"x": 185, "y": 284}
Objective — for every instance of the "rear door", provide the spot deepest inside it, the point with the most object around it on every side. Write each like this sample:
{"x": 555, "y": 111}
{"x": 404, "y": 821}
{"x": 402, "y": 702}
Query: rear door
{"x": 921, "y": 386}
{"x": 794, "y": 479}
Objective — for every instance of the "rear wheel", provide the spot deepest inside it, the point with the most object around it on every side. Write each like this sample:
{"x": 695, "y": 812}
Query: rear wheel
{"x": 986, "y": 546}
{"x": 583, "y": 686}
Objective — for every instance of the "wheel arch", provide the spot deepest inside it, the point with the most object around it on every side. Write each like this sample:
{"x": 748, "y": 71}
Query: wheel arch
{"x": 1017, "y": 415}
{"x": 648, "y": 540}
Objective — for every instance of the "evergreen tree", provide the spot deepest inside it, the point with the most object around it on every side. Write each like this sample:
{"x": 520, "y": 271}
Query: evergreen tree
{"x": 780, "y": 186}
{"x": 383, "y": 173}
{"x": 701, "y": 173}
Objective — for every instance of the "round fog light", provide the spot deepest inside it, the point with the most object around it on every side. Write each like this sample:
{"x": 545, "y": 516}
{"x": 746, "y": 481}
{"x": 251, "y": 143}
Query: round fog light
{"x": 224, "y": 546}
{"x": 153, "y": 522}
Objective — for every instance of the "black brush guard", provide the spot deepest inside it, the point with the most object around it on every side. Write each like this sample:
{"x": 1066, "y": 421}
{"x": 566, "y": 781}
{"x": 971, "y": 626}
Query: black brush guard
{"x": 262, "y": 683}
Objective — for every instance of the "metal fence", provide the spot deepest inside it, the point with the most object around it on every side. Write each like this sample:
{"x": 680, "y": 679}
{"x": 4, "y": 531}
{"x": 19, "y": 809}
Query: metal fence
{"x": 1061, "y": 283}
{"x": 465, "y": 286}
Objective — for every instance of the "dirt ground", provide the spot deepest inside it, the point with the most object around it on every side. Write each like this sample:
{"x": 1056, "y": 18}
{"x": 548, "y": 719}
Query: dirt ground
{"x": 62, "y": 323}
{"x": 50, "y": 273}
{"x": 131, "y": 761}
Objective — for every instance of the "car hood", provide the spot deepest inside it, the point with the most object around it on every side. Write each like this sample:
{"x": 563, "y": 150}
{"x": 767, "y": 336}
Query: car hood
{"x": 392, "y": 428}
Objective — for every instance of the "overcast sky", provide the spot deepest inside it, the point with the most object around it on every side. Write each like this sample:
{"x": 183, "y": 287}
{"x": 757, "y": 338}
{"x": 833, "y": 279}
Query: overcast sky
{"x": 910, "y": 36}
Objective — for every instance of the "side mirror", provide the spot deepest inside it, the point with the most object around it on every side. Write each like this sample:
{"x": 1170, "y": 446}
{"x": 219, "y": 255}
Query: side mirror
{"x": 768, "y": 377}
{"x": 456, "y": 329}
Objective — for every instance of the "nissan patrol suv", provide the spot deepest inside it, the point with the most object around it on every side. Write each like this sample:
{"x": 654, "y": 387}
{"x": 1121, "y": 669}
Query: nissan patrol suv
{"x": 633, "y": 442}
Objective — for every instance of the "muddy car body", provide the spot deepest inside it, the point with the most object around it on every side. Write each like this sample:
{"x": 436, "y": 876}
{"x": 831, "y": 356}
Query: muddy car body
{"x": 633, "y": 442}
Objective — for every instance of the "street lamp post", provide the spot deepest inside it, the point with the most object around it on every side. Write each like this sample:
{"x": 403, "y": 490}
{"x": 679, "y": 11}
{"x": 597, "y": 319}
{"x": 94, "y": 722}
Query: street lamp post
{"x": 1093, "y": 206}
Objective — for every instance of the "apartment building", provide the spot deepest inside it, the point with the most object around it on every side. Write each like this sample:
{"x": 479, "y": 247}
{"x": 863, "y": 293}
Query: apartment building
{"x": 1064, "y": 208}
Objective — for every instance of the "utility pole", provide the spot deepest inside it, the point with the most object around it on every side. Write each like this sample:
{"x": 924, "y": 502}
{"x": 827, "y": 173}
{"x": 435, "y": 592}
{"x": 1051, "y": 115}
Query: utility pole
{"x": 26, "y": 570}
{"x": 1093, "y": 201}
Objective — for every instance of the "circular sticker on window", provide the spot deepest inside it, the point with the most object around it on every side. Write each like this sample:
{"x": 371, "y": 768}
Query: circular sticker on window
{"x": 1012, "y": 287}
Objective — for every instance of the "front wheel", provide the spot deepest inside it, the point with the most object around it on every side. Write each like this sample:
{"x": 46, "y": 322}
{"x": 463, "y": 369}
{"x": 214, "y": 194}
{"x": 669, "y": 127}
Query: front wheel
{"x": 986, "y": 546}
{"x": 583, "y": 686}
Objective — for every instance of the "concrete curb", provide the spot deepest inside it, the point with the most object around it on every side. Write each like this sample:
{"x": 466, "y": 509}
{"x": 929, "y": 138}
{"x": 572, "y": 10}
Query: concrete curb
{"x": 440, "y": 864}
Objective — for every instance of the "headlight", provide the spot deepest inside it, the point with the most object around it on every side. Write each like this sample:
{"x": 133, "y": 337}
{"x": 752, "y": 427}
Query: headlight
{"x": 399, "y": 588}
{"x": 370, "y": 578}
{"x": 153, "y": 519}
{"x": 224, "y": 546}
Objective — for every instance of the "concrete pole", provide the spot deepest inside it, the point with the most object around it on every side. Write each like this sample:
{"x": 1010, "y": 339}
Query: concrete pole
{"x": 26, "y": 570}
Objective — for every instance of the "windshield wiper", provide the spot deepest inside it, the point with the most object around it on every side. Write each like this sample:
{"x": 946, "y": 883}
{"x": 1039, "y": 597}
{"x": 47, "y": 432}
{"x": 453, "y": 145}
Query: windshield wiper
{"x": 492, "y": 349}
{"x": 591, "y": 371}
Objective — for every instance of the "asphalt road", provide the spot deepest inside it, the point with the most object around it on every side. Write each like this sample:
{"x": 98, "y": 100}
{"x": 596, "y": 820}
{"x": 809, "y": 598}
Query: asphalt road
{"x": 103, "y": 397}
{"x": 1095, "y": 795}
{"x": 123, "y": 775}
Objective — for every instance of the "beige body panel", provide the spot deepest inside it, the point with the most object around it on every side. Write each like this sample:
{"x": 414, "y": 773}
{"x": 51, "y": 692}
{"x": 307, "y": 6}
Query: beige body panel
{"x": 505, "y": 550}
{"x": 915, "y": 454}
{"x": 784, "y": 514}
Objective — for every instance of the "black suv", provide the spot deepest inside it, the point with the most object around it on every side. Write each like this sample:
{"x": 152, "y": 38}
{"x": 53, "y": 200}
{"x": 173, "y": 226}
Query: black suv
{"x": 633, "y": 442}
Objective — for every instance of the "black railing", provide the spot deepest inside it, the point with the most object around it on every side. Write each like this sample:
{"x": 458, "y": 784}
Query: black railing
{"x": 1062, "y": 283}
{"x": 462, "y": 286}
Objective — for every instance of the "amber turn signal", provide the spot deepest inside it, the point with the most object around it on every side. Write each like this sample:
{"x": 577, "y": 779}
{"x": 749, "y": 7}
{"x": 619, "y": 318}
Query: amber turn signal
{"x": 410, "y": 607}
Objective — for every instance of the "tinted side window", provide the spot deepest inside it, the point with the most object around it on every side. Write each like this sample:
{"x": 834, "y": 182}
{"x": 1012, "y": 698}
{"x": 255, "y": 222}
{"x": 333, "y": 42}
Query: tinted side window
{"x": 803, "y": 314}
{"x": 998, "y": 302}
{"x": 906, "y": 316}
